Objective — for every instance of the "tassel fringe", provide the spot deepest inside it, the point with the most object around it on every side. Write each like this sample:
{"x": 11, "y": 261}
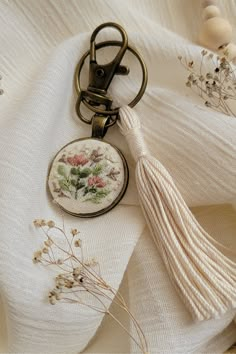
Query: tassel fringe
{"x": 202, "y": 274}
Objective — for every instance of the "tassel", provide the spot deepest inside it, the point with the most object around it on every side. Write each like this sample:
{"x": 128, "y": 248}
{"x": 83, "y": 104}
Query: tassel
{"x": 204, "y": 277}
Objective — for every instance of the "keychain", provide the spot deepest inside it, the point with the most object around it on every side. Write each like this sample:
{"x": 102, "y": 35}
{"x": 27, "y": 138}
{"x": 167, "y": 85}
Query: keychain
{"x": 89, "y": 176}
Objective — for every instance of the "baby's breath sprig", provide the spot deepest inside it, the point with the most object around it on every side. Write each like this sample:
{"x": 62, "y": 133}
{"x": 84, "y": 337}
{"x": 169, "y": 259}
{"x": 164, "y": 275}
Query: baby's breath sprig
{"x": 214, "y": 80}
{"x": 79, "y": 280}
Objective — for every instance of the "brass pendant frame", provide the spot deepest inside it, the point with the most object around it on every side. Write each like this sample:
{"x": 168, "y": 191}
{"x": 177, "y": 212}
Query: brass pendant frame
{"x": 119, "y": 197}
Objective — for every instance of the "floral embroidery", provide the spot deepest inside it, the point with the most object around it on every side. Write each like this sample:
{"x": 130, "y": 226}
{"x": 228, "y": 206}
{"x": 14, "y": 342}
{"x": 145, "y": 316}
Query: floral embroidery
{"x": 77, "y": 160}
{"x": 96, "y": 181}
{"x": 95, "y": 156}
{"x": 86, "y": 175}
{"x": 113, "y": 174}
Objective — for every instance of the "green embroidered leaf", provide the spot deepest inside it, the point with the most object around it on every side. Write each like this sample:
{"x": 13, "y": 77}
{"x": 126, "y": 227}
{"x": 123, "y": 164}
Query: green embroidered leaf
{"x": 86, "y": 190}
{"x": 75, "y": 171}
{"x": 80, "y": 185}
{"x": 97, "y": 170}
{"x": 62, "y": 171}
{"x": 85, "y": 172}
{"x": 77, "y": 183}
{"x": 73, "y": 182}
{"x": 64, "y": 185}
{"x": 96, "y": 198}
{"x": 89, "y": 190}
{"x": 102, "y": 193}
{"x": 93, "y": 190}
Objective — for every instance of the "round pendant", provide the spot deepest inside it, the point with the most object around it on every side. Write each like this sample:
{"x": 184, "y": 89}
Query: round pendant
{"x": 88, "y": 177}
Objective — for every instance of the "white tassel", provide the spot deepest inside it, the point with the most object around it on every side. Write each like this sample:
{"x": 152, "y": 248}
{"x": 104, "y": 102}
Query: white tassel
{"x": 204, "y": 277}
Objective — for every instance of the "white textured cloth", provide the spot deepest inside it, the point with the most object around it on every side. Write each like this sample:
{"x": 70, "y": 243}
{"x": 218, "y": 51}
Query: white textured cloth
{"x": 41, "y": 42}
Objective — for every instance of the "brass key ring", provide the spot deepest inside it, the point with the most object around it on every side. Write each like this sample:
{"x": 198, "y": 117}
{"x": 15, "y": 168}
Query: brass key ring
{"x": 101, "y": 76}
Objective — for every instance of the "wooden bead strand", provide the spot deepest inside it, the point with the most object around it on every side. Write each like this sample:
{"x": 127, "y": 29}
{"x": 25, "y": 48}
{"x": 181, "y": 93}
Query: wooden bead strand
{"x": 216, "y": 32}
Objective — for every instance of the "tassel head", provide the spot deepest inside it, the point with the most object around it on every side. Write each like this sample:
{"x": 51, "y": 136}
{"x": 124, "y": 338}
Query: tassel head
{"x": 130, "y": 127}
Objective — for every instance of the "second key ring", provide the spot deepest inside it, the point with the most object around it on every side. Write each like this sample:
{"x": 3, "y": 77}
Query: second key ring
{"x": 115, "y": 111}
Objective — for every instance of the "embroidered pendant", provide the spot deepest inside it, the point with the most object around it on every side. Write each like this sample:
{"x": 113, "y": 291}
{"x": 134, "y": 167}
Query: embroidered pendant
{"x": 89, "y": 176}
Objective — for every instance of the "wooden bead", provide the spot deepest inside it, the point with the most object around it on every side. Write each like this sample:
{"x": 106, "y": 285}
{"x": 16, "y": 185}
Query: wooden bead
{"x": 215, "y": 33}
{"x": 230, "y": 52}
{"x": 210, "y": 11}
{"x": 206, "y": 3}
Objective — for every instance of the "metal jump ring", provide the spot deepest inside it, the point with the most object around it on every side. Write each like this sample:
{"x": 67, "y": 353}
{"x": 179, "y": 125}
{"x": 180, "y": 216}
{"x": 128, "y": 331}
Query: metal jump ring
{"x": 115, "y": 111}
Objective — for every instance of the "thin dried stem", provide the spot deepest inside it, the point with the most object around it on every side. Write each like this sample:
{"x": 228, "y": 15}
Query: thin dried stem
{"x": 79, "y": 276}
{"x": 124, "y": 328}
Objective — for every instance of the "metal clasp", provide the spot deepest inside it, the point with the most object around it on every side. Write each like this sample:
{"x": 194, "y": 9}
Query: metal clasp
{"x": 95, "y": 97}
{"x": 100, "y": 76}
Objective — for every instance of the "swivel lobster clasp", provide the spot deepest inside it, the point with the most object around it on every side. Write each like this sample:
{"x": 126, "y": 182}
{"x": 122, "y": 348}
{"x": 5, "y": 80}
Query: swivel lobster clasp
{"x": 95, "y": 97}
{"x": 100, "y": 76}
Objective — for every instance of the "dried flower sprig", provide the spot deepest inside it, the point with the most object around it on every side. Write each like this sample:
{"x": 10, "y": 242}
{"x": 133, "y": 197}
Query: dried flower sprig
{"x": 214, "y": 80}
{"x": 79, "y": 280}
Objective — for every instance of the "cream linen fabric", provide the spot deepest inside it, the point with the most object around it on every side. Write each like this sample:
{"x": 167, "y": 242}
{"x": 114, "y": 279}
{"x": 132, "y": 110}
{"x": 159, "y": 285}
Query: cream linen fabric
{"x": 41, "y": 42}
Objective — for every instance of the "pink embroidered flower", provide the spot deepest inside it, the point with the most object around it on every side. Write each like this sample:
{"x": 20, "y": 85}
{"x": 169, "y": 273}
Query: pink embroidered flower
{"x": 96, "y": 181}
{"x": 77, "y": 160}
